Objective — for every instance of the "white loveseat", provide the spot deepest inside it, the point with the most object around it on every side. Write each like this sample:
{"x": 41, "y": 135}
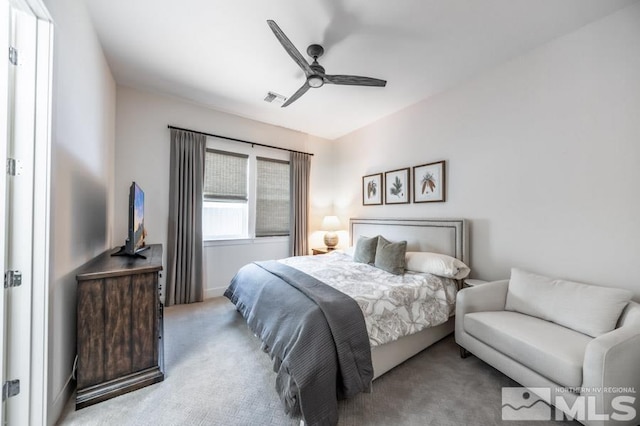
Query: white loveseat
{"x": 580, "y": 341}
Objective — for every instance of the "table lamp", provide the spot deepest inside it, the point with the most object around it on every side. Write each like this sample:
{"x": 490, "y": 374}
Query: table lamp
{"x": 330, "y": 224}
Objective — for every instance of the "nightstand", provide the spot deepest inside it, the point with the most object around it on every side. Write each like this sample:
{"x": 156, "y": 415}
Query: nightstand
{"x": 323, "y": 250}
{"x": 469, "y": 282}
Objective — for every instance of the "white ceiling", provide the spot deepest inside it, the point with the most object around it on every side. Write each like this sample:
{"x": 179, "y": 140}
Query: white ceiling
{"x": 222, "y": 53}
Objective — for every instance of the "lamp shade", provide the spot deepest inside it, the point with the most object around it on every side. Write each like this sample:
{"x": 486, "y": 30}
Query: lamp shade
{"x": 330, "y": 223}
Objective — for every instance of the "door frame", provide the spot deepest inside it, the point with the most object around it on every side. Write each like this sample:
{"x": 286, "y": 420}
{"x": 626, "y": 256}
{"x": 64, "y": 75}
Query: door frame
{"x": 4, "y": 99}
{"x": 41, "y": 203}
{"x": 39, "y": 318}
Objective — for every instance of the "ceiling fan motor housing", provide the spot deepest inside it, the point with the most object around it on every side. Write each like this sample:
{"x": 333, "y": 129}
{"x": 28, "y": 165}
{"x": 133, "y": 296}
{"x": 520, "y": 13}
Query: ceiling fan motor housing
{"x": 316, "y": 80}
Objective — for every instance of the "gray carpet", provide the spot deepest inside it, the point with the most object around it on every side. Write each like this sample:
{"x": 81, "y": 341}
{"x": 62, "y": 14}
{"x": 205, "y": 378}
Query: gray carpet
{"x": 217, "y": 375}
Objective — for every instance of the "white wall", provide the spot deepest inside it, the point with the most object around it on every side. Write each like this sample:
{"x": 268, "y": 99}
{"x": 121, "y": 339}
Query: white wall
{"x": 81, "y": 179}
{"x": 543, "y": 157}
{"x": 222, "y": 260}
{"x": 142, "y": 155}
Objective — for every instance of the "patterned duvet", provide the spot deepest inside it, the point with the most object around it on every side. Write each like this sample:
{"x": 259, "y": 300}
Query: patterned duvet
{"x": 393, "y": 305}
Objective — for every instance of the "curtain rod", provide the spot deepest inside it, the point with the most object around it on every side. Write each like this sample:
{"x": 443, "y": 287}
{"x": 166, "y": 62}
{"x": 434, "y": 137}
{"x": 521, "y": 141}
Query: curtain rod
{"x": 238, "y": 140}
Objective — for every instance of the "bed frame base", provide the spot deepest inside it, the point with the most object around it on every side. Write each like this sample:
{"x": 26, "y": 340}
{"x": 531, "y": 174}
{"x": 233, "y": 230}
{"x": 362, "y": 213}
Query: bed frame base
{"x": 389, "y": 355}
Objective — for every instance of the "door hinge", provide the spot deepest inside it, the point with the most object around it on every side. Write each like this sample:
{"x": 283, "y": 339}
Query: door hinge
{"x": 10, "y": 388}
{"x": 14, "y": 167}
{"x": 12, "y": 279}
{"x": 13, "y": 55}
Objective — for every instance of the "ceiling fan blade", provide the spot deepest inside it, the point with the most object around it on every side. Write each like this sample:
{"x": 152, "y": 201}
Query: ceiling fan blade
{"x": 301, "y": 91}
{"x": 354, "y": 80}
{"x": 290, "y": 48}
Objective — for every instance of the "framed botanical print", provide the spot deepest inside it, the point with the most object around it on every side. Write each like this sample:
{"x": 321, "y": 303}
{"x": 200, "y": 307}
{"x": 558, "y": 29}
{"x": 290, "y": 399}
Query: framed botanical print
{"x": 429, "y": 184}
{"x": 372, "y": 190}
{"x": 397, "y": 187}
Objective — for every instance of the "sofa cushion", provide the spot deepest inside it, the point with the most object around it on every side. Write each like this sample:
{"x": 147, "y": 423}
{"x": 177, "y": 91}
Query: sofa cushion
{"x": 589, "y": 309}
{"x": 551, "y": 350}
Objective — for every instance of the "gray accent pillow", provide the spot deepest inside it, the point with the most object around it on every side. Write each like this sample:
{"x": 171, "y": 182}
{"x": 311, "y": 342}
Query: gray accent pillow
{"x": 365, "y": 250}
{"x": 390, "y": 256}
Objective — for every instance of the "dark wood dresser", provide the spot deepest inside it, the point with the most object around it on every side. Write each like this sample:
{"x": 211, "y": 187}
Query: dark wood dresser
{"x": 119, "y": 325}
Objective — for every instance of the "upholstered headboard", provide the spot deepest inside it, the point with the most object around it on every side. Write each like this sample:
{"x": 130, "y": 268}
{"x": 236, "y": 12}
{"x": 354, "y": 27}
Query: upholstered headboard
{"x": 445, "y": 236}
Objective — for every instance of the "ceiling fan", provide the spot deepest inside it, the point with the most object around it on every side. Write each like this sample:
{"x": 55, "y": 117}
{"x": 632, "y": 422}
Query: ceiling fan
{"x": 314, "y": 72}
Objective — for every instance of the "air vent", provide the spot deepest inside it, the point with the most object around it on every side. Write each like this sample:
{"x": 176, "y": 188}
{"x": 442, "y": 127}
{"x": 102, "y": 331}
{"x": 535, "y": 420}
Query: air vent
{"x": 274, "y": 98}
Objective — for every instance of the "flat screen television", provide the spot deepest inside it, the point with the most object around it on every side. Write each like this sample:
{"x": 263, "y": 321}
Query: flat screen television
{"x": 135, "y": 227}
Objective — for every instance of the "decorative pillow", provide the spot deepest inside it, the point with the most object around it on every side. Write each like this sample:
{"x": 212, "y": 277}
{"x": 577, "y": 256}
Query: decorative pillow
{"x": 390, "y": 256}
{"x": 589, "y": 309}
{"x": 436, "y": 264}
{"x": 365, "y": 250}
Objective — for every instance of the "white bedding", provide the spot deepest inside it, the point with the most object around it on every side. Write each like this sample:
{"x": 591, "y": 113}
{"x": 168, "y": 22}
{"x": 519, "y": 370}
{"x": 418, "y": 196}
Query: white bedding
{"x": 393, "y": 305}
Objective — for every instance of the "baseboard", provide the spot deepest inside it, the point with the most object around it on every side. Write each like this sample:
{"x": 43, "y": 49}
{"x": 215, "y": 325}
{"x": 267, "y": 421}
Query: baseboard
{"x": 60, "y": 401}
{"x": 214, "y": 292}
{"x": 116, "y": 387}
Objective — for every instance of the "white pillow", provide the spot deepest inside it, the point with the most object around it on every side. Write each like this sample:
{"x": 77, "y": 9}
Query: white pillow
{"x": 436, "y": 264}
{"x": 589, "y": 309}
{"x": 349, "y": 250}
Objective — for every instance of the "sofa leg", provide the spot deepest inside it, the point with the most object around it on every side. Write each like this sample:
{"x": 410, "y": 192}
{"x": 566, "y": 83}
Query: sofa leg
{"x": 464, "y": 353}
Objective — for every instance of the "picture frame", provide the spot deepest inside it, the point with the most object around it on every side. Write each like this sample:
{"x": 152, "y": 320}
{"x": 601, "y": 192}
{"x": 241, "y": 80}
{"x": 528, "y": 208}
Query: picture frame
{"x": 372, "y": 189}
{"x": 429, "y": 183}
{"x": 397, "y": 186}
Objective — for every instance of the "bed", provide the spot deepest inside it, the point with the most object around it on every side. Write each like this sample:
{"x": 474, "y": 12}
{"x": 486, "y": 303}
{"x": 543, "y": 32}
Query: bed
{"x": 445, "y": 236}
{"x": 298, "y": 318}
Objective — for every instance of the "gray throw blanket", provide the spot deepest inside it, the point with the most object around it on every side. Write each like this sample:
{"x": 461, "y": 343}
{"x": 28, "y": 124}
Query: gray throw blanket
{"x": 315, "y": 334}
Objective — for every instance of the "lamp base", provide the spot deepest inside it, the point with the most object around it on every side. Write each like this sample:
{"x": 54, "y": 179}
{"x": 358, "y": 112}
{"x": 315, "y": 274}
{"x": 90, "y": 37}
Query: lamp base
{"x": 330, "y": 239}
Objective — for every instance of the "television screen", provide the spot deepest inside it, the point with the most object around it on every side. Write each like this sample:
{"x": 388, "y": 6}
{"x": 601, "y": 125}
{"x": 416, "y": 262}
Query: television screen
{"x": 136, "y": 219}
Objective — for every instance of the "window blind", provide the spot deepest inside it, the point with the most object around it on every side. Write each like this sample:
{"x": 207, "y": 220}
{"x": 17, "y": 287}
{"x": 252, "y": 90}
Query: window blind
{"x": 272, "y": 197}
{"x": 225, "y": 177}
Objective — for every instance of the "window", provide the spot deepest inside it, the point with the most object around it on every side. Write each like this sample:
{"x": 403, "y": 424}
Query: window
{"x": 272, "y": 197}
{"x": 245, "y": 195}
{"x": 225, "y": 195}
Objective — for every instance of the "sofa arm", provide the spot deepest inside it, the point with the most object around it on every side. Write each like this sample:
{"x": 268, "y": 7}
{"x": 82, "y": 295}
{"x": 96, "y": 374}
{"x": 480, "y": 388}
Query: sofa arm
{"x": 484, "y": 297}
{"x": 611, "y": 368}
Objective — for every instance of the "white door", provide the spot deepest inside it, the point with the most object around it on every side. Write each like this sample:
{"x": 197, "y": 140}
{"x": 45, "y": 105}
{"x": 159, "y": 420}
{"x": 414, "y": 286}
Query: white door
{"x": 4, "y": 79}
{"x": 19, "y": 210}
{"x": 25, "y": 130}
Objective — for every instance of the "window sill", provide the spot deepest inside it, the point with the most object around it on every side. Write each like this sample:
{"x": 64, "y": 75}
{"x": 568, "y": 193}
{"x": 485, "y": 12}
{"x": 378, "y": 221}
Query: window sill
{"x": 244, "y": 241}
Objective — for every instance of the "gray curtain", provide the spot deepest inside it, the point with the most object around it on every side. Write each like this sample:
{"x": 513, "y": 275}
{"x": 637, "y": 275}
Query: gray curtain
{"x": 184, "y": 254}
{"x": 300, "y": 171}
